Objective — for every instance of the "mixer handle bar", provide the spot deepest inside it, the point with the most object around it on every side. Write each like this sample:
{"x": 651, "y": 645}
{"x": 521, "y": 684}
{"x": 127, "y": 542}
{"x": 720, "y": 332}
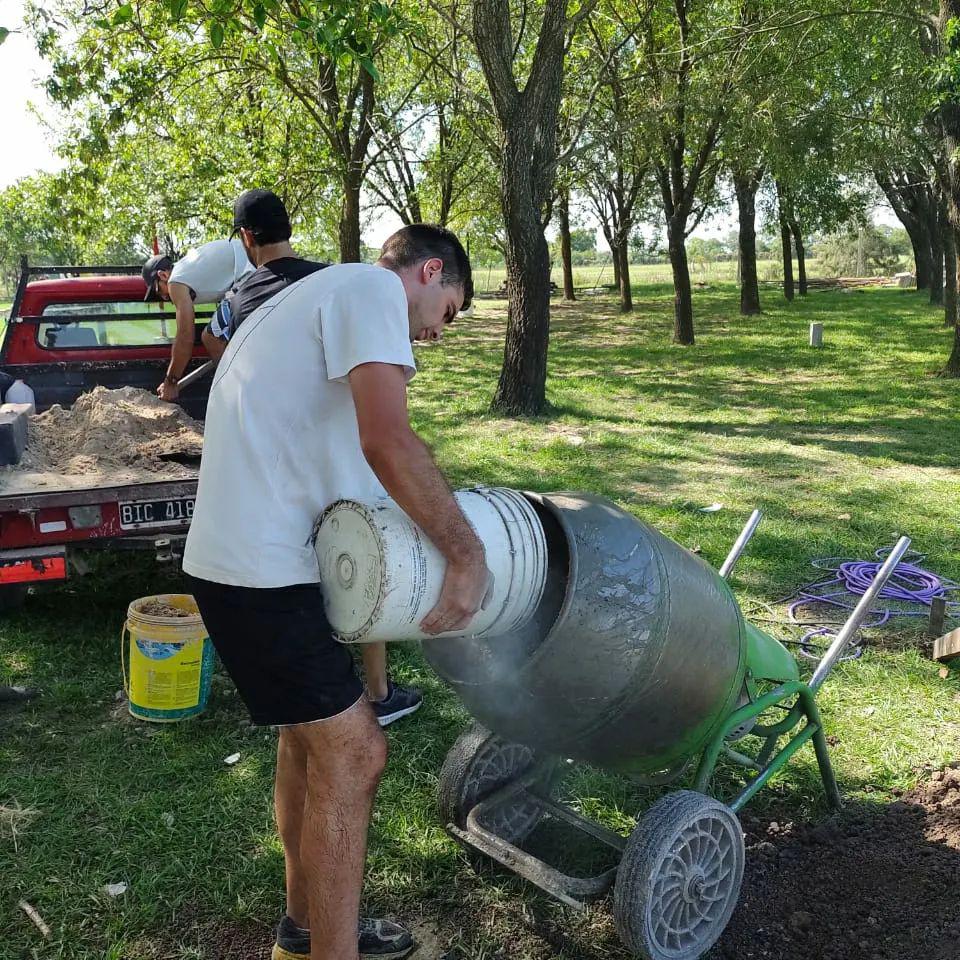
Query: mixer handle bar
{"x": 849, "y": 630}
{"x": 745, "y": 534}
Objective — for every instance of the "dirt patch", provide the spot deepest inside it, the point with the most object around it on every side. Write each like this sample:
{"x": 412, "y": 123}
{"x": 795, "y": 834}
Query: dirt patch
{"x": 128, "y": 431}
{"x": 872, "y": 883}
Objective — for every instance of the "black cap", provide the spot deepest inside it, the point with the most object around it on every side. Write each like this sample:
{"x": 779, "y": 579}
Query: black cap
{"x": 263, "y": 213}
{"x": 150, "y": 270}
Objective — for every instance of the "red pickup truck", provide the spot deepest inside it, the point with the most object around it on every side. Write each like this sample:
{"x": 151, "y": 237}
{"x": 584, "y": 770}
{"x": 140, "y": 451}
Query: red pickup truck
{"x": 71, "y": 329}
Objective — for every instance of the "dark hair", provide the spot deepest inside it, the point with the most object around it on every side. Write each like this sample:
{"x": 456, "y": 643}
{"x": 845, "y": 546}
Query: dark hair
{"x": 423, "y": 241}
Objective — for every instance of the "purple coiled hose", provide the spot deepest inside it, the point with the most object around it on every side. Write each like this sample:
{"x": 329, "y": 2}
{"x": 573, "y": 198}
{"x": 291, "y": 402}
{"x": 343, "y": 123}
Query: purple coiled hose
{"x": 910, "y": 590}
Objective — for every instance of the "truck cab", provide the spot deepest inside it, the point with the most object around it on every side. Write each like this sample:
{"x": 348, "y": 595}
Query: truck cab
{"x": 71, "y": 329}
{"x": 74, "y": 328}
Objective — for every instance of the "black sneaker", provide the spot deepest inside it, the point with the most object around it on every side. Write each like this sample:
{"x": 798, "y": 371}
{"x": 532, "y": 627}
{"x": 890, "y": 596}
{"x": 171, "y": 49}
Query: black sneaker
{"x": 399, "y": 702}
{"x": 293, "y": 942}
{"x": 376, "y": 938}
{"x": 382, "y": 938}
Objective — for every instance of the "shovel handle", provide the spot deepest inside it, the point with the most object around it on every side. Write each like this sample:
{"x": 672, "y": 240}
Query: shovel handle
{"x": 195, "y": 375}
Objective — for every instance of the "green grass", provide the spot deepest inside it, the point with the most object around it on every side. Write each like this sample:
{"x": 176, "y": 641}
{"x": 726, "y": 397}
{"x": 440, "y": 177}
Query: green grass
{"x": 749, "y": 417}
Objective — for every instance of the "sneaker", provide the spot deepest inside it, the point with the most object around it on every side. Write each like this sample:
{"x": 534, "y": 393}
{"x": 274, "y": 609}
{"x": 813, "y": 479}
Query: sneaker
{"x": 293, "y": 942}
{"x": 376, "y": 938}
{"x": 399, "y": 702}
{"x": 382, "y": 938}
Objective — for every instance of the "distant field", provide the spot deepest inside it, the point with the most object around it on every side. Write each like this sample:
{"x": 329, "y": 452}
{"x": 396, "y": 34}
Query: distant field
{"x": 597, "y": 275}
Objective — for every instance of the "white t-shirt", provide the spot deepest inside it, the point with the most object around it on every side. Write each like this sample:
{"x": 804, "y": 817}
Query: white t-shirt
{"x": 211, "y": 270}
{"x": 281, "y": 441}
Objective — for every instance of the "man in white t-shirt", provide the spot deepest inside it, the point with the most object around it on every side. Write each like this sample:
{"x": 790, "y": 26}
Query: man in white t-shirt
{"x": 308, "y": 405}
{"x": 204, "y": 275}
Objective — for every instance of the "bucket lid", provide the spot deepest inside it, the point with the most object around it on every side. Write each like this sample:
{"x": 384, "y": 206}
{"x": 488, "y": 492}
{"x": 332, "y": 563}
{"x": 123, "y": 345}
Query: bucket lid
{"x": 351, "y": 555}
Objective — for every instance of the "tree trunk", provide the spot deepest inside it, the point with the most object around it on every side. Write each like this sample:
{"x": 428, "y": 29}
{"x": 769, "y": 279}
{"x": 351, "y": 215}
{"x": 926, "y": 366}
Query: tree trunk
{"x": 801, "y": 258}
{"x": 787, "y": 258}
{"x": 949, "y": 112}
{"x": 746, "y": 186}
{"x": 952, "y": 368}
{"x": 521, "y": 390}
{"x": 350, "y": 219}
{"x": 527, "y": 121}
{"x": 936, "y": 260}
{"x": 906, "y": 193}
{"x": 615, "y": 259}
{"x": 920, "y": 241}
{"x": 626, "y": 294}
{"x": 683, "y": 296}
{"x": 949, "y": 240}
{"x": 563, "y": 215}
{"x": 950, "y": 273}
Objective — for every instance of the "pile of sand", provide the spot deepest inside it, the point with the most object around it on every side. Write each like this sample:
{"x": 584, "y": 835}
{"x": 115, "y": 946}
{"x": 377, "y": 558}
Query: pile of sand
{"x": 126, "y": 431}
{"x": 155, "y": 607}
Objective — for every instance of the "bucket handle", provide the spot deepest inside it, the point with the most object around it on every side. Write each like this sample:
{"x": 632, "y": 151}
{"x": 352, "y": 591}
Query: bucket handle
{"x": 124, "y": 631}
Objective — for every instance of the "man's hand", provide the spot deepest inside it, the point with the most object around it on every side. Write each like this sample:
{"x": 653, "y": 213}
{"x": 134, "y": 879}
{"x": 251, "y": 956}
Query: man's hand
{"x": 168, "y": 391}
{"x": 467, "y": 588}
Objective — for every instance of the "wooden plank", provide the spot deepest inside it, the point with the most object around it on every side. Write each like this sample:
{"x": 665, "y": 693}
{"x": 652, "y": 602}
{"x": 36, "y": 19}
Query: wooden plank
{"x": 948, "y": 646}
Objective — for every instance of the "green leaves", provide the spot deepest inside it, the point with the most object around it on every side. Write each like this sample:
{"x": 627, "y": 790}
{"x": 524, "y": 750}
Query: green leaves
{"x": 177, "y": 8}
{"x": 123, "y": 14}
{"x": 4, "y": 33}
{"x": 216, "y": 34}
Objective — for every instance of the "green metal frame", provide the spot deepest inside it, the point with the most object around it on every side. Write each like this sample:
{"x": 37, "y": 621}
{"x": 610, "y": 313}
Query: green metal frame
{"x": 802, "y": 707}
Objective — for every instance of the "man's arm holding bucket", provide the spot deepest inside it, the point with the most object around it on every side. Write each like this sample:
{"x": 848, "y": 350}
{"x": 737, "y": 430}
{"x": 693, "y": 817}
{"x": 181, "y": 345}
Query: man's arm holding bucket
{"x": 404, "y": 465}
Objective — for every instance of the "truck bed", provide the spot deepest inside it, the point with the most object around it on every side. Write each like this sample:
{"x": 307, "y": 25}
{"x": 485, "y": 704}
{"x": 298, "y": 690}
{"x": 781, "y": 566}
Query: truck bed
{"x": 19, "y": 489}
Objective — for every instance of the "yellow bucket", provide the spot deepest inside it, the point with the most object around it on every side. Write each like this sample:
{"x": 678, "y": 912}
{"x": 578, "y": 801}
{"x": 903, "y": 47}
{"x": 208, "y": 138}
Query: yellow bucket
{"x": 171, "y": 659}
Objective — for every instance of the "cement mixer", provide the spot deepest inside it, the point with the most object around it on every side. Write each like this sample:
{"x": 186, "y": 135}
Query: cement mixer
{"x": 636, "y": 660}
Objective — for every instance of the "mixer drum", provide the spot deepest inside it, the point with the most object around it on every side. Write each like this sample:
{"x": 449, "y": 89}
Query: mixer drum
{"x": 635, "y": 655}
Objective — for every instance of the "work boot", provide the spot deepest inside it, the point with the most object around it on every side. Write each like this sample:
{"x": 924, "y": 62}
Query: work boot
{"x": 376, "y": 938}
{"x": 399, "y": 702}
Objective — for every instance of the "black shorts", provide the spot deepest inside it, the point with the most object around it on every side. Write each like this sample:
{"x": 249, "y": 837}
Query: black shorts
{"x": 280, "y": 650}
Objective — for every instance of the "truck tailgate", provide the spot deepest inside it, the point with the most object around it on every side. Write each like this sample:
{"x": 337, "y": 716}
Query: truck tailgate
{"x": 76, "y": 509}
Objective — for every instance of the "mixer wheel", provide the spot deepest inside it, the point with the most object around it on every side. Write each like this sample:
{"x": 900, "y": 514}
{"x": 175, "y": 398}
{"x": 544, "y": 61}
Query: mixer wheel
{"x": 477, "y": 764}
{"x": 679, "y": 879}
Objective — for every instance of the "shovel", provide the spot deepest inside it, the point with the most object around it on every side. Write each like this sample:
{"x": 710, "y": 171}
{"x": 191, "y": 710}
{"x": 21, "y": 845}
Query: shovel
{"x": 195, "y": 375}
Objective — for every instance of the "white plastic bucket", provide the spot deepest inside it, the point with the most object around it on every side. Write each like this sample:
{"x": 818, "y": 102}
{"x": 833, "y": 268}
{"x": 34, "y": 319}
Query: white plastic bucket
{"x": 381, "y": 575}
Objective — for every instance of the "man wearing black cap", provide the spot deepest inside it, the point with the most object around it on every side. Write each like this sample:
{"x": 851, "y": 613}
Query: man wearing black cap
{"x": 204, "y": 275}
{"x": 261, "y": 221}
{"x": 263, "y": 224}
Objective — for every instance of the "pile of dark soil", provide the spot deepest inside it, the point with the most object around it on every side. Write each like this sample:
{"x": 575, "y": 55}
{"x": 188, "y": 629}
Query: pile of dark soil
{"x": 870, "y": 883}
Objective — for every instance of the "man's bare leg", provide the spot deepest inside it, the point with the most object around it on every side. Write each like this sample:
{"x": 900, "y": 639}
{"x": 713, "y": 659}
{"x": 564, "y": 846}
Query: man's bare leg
{"x": 375, "y": 670}
{"x": 289, "y": 797}
{"x": 345, "y": 758}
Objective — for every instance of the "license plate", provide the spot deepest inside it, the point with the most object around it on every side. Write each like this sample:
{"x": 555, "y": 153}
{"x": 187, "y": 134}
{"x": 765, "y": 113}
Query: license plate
{"x": 156, "y": 513}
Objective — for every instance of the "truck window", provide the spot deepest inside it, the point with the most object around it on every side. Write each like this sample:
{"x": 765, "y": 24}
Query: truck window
{"x": 116, "y": 324}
